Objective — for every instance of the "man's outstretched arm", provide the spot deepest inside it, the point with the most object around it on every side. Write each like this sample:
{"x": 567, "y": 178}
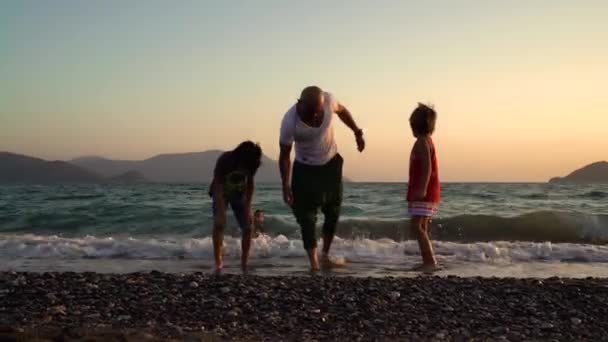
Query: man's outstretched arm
{"x": 349, "y": 121}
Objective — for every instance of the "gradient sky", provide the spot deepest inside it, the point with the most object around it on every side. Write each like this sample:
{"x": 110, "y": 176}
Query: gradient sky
{"x": 520, "y": 86}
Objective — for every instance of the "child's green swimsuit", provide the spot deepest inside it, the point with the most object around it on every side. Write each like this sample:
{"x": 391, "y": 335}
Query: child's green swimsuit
{"x": 235, "y": 184}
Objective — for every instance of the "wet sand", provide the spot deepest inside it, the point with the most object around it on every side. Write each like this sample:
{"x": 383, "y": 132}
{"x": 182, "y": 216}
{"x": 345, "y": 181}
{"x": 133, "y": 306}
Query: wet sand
{"x": 197, "y": 306}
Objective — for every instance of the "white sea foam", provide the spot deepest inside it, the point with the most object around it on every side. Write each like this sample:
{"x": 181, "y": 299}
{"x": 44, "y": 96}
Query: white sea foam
{"x": 359, "y": 250}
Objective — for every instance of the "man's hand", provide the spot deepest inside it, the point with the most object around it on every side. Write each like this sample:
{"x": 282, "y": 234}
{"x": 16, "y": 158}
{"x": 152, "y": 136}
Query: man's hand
{"x": 360, "y": 141}
{"x": 348, "y": 120}
{"x": 287, "y": 195}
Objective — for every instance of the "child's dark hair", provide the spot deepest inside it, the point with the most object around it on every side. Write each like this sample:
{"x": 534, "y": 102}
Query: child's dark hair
{"x": 249, "y": 154}
{"x": 257, "y": 212}
{"x": 423, "y": 120}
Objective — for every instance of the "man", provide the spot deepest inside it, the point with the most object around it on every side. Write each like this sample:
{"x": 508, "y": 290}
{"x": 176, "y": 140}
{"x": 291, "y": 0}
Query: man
{"x": 317, "y": 171}
{"x": 233, "y": 184}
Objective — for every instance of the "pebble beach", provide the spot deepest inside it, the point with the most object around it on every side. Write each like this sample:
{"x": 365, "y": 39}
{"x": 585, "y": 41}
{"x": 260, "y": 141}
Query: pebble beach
{"x": 205, "y": 307}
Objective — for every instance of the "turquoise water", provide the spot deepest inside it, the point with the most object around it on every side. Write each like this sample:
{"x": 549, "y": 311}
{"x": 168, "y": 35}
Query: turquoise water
{"x": 480, "y": 224}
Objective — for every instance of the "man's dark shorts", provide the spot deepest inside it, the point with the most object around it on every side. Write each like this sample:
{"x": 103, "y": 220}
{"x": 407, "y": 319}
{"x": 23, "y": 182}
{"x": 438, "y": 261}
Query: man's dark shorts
{"x": 314, "y": 188}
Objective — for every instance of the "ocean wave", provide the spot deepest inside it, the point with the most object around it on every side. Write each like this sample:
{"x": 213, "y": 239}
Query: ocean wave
{"x": 560, "y": 227}
{"x": 594, "y": 195}
{"x": 535, "y": 196}
{"x": 73, "y": 197}
{"x": 365, "y": 250}
{"x": 557, "y": 227}
{"x": 551, "y": 226}
{"x": 484, "y": 195}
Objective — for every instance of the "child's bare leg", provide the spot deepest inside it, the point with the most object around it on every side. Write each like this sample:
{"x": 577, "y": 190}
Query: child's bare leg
{"x": 419, "y": 227}
{"x": 428, "y": 256}
{"x": 415, "y": 228}
{"x": 245, "y": 247}
{"x": 218, "y": 247}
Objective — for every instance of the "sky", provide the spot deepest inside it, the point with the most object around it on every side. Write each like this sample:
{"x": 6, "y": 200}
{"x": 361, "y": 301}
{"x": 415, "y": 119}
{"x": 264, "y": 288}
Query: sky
{"x": 520, "y": 87}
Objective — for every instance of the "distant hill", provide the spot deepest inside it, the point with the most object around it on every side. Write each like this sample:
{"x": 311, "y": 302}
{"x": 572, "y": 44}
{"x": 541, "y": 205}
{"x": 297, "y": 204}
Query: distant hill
{"x": 596, "y": 173}
{"x": 16, "y": 168}
{"x": 104, "y": 167}
{"x": 129, "y": 177}
{"x": 196, "y": 167}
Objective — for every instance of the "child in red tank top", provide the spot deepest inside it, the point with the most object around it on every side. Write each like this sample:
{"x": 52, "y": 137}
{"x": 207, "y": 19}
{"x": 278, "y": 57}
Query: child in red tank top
{"x": 423, "y": 192}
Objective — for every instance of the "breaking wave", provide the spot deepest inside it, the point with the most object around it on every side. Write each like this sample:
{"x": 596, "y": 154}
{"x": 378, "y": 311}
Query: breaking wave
{"x": 368, "y": 250}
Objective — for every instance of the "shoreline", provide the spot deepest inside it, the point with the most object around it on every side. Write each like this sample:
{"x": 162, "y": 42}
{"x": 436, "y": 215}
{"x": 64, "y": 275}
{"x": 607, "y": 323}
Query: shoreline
{"x": 231, "y": 307}
{"x": 298, "y": 266}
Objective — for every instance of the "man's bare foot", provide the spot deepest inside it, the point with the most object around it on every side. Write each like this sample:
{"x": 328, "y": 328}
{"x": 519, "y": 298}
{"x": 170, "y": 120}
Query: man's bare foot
{"x": 218, "y": 268}
{"x": 329, "y": 263}
{"x": 427, "y": 268}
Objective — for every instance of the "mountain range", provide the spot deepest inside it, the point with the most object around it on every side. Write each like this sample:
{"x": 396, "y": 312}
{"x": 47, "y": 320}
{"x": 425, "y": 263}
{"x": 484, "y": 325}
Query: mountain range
{"x": 16, "y": 168}
{"x": 194, "y": 167}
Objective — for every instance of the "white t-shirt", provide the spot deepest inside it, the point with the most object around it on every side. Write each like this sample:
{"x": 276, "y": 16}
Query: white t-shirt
{"x": 314, "y": 145}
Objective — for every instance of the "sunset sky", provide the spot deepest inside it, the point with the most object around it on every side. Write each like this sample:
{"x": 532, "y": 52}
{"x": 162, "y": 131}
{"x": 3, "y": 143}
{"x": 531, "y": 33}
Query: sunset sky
{"x": 521, "y": 87}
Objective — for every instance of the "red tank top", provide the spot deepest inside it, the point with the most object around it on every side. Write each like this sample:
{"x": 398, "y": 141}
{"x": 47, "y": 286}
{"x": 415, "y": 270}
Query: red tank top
{"x": 433, "y": 190}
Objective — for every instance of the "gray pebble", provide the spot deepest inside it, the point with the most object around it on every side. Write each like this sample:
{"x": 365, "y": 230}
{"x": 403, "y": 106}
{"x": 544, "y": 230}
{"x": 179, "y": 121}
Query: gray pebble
{"x": 547, "y": 326}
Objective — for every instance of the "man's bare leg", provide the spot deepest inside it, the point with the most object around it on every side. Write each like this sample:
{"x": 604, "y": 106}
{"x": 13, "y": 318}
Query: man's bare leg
{"x": 307, "y": 219}
{"x": 331, "y": 211}
{"x": 314, "y": 259}
{"x": 327, "y": 240}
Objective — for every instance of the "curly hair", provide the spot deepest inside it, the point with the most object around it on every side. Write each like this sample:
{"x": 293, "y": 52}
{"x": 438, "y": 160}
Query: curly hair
{"x": 422, "y": 120}
{"x": 250, "y": 155}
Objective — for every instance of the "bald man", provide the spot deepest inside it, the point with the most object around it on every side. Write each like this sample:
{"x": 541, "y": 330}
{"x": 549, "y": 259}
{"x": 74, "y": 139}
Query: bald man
{"x": 316, "y": 180}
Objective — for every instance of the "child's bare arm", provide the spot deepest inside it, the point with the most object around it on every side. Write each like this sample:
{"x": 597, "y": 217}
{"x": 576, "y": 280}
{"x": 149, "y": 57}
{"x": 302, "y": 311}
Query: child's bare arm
{"x": 422, "y": 153}
{"x": 249, "y": 196}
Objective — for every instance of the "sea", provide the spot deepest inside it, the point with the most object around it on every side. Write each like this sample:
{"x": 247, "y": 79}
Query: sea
{"x": 487, "y": 230}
